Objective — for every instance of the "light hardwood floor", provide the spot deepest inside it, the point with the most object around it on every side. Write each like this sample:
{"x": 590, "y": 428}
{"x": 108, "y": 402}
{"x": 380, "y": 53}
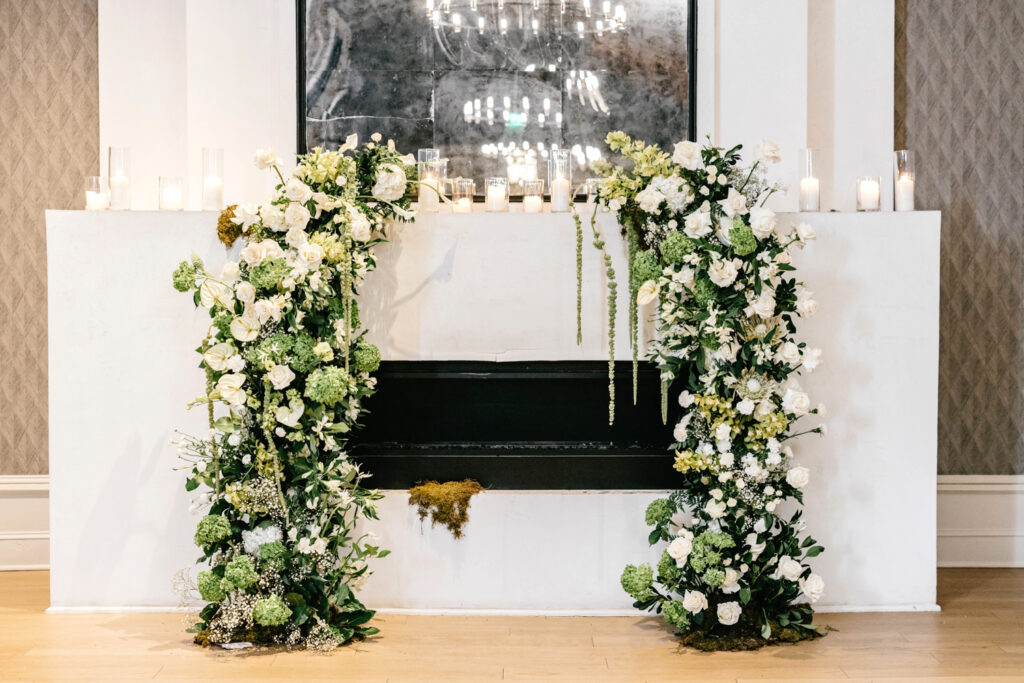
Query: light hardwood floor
{"x": 979, "y": 635}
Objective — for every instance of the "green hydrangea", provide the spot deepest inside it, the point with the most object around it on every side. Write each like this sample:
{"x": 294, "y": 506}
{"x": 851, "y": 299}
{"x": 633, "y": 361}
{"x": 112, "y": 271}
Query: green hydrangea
{"x": 645, "y": 267}
{"x": 668, "y": 572}
{"x": 676, "y": 247}
{"x": 273, "y": 349}
{"x": 327, "y": 385}
{"x": 209, "y": 586}
{"x": 302, "y": 357}
{"x": 704, "y": 291}
{"x": 659, "y": 511}
{"x": 714, "y": 577}
{"x": 676, "y": 615}
{"x": 742, "y": 238}
{"x": 366, "y": 357}
{"x": 271, "y": 611}
{"x": 212, "y": 529}
{"x": 222, "y": 321}
{"x": 336, "y": 308}
{"x": 239, "y": 573}
{"x": 184, "y": 277}
{"x": 636, "y": 580}
{"x": 268, "y": 274}
{"x": 273, "y": 555}
{"x": 706, "y": 547}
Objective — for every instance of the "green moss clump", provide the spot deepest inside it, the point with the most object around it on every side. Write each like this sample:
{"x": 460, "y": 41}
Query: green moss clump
{"x": 227, "y": 230}
{"x": 447, "y": 504}
{"x": 746, "y": 637}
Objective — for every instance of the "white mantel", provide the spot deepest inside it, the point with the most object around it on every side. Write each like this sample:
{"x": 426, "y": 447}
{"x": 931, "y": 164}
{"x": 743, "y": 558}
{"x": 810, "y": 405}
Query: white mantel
{"x": 481, "y": 286}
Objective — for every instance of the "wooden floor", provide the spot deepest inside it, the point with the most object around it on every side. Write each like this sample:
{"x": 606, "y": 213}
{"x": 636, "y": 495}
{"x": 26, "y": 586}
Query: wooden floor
{"x": 979, "y": 636}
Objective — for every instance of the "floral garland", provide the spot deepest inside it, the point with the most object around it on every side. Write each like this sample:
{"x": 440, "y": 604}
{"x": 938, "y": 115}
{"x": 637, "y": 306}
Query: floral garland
{"x": 287, "y": 369}
{"x": 717, "y": 261}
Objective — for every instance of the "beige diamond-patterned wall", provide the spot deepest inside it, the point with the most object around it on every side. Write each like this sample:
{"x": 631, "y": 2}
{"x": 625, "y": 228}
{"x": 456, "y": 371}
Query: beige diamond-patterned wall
{"x": 49, "y": 141}
{"x": 960, "y": 107}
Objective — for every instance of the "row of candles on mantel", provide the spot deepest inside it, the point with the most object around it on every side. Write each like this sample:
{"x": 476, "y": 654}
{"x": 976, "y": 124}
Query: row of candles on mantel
{"x": 432, "y": 172}
{"x": 869, "y": 188}
{"x": 117, "y": 193}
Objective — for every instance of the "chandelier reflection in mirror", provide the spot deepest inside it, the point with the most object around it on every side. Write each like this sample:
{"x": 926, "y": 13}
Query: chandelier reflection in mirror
{"x": 497, "y": 84}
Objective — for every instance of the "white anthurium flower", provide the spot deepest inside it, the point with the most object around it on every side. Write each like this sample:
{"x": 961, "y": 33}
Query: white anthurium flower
{"x": 735, "y": 204}
{"x": 266, "y": 158}
{"x": 729, "y": 613}
{"x": 687, "y": 154}
{"x": 813, "y": 587}
{"x": 694, "y": 602}
{"x": 245, "y": 328}
{"x": 647, "y": 293}
{"x": 768, "y": 152}
{"x": 245, "y": 215}
{"x": 289, "y": 415}
{"x": 230, "y": 387}
{"x": 212, "y": 292}
{"x": 798, "y": 477}
{"x": 280, "y": 376}
{"x": 297, "y": 191}
{"x": 762, "y": 222}
{"x": 216, "y": 357}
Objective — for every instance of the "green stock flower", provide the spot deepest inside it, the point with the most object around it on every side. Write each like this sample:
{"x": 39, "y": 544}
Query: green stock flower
{"x": 271, "y": 611}
{"x": 209, "y": 586}
{"x": 366, "y": 357}
{"x": 212, "y": 529}
{"x": 239, "y": 573}
{"x": 676, "y": 247}
{"x": 742, "y": 238}
{"x": 636, "y": 580}
{"x": 659, "y": 511}
{"x": 327, "y": 385}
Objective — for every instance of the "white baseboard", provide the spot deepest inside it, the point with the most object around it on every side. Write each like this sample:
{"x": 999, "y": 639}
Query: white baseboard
{"x": 24, "y": 522}
{"x": 981, "y": 521}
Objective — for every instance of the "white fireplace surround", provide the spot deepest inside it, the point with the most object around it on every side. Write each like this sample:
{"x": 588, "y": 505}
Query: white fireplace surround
{"x": 121, "y": 372}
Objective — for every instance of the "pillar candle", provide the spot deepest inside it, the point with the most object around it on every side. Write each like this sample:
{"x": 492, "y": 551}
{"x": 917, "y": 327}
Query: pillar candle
{"x": 904, "y": 193}
{"x": 120, "y": 193}
{"x": 560, "y": 195}
{"x": 213, "y": 193}
{"x": 809, "y": 194}
{"x": 496, "y": 200}
{"x": 532, "y": 204}
{"x": 868, "y": 192}
{"x": 171, "y": 199}
{"x": 95, "y": 201}
{"x": 428, "y": 198}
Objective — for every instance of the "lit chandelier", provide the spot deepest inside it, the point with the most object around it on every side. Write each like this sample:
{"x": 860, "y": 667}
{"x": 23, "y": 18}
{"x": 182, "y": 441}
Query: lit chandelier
{"x": 486, "y": 110}
{"x": 499, "y": 16}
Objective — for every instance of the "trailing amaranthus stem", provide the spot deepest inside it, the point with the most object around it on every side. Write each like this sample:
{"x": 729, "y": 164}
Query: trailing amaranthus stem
{"x": 579, "y": 265}
{"x": 599, "y": 244}
{"x": 633, "y": 242}
{"x": 278, "y": 469}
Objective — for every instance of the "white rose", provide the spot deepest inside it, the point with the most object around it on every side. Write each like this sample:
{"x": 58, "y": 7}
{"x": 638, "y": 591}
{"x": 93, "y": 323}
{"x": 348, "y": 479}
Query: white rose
{"x": 361, "y": 230}
{"x": 789, "y": 568}
{"x": 805, "y": 303}
{"x": 679, "y": 433}
{"x": 245, "y": 292}
{"x": 280, "y": 376}
{"x": 212, "y": 292}
{"x": 729, "y": 613}
{"x": 390, "y": 185}
{"x": 726, "y": 459}
{"x": 297, "y": 191}
{"x": 764, "y": 409}
{"x": 768, "y": 151}
{"x": 798, "y": 477}
{"x": 230, "y": 272}
{"x": 788, "y": 353}
{"x": 650, "y": 199}
{"x": 697, "y": 224}
{"x": 230, "y": 387}
{"x": 263, "y": 310}
{"x": 253, "y": 254}
{"x": 647, "y": 293}
{"x": 311, "y": 254}
{"x": 296, "y": 237}
{"x": 723, "y": 273}
{"x": 687, "y": 154}
{"x": 245, "y": 215}
{"x": 686, "y": 399}
{"x": 679, "y": 549}
{"x": 796, "y": 402}
{"x": 245, "y": 328}
{"x": 813, "y": 587}
{"x": 266, "y": 158}
{"x": 734, "y": 205}
{"x": 745, "y": 407}
{"x": 216, "y": 357}
{"x": 296, "y": 216}
{"x": 714, "y": 509}
{"x": 760, "y": 526}
{"x": 805, "y": 232}
{"x": 762, "y": 222}
{"x": 811, "y": 360}
{"x": 694, "y": 602}
{"x": 272, "y": 217}
{"x": 763, "y": 306}
{"x": 271, "y": 248}
{"x": 732, "y": 581}
{"x": 716, "y": 494}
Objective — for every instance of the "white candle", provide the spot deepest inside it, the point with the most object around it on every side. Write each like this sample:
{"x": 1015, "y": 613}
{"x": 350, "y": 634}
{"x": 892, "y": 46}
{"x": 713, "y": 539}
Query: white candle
{"x": 428, "y": 199}
{"x": 120, "y": 193}
{"x": 171, "y": 199}
{"x": 532, "y": 204}
{"x": 868, "y": 193}
{"x": 560, "y": 194}
{"x": 809, "y": 194}
{"x": 95, "y": 201}
{"x": 463, "y": 205}
{"x": 905, "y": 193}
{"x": 213, "y": 193}
{"x": 496, "y": 200}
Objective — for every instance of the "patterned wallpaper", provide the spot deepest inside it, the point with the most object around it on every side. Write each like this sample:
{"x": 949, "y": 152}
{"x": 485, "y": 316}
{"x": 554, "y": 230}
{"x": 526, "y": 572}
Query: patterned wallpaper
{"x": 49, "y": 137}
{"x": 960, "y": 106}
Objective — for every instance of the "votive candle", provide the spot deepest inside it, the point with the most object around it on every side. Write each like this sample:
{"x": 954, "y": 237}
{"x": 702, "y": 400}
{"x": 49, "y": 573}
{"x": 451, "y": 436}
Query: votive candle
{"x": 810, "y": 186}
{"x": 171, "y": 196}
{"x": 119, "y": 168}
{"x": 96, "y": 198}
{"x": 903, "y": 175}
{"x": 869, "y": 189}
{"x": 496, "y": 198}
{"x": 559, "y": 180}
{"x": 533, "y": 200}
